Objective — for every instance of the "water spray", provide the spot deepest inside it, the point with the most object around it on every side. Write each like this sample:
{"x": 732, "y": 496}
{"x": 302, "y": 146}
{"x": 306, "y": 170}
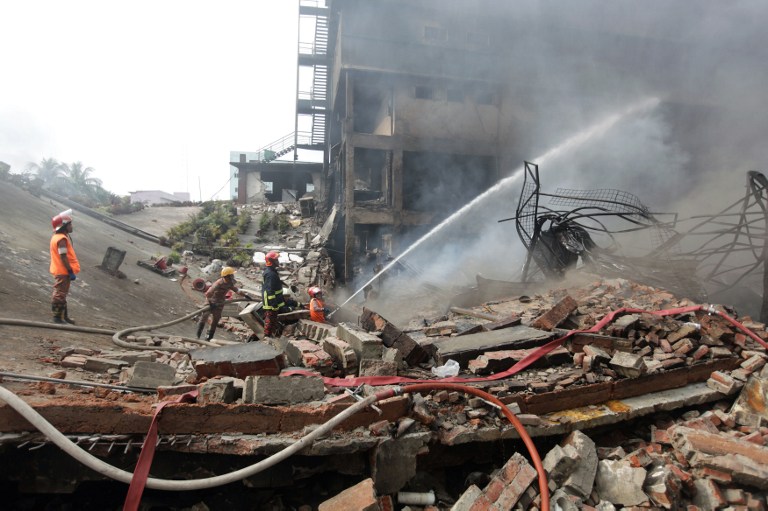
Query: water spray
{"x": 570, "y": 143}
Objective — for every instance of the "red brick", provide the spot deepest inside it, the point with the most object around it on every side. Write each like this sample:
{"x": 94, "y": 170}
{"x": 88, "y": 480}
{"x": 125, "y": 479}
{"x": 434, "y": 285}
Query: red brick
{"x": 494, "y": 489}
{"x": 556, "y": 315}
{"x": 715, "y": 475}
{"x": 481, "y": 504}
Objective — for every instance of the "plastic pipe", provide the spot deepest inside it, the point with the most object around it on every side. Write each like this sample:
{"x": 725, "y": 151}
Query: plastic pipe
{"x": 415, "y": 498}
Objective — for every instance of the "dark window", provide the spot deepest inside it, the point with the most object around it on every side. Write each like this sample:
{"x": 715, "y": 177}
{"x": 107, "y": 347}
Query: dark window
{"x": 455, "y": 95}
{"x": 424, "y": 92}
{"x": 435, "y": 34}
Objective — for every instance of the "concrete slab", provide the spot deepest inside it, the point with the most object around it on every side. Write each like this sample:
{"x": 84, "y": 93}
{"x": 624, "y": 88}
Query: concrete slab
{"x": 466, "y": 347}
{"x": 240, "y": 360}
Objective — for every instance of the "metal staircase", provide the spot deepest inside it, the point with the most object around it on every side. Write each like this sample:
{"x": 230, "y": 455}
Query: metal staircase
{"x": 313, "y": 60}
{"x": 278, "y": 148}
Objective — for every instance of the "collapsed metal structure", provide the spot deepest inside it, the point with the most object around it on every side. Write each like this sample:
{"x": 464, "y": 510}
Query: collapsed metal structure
{"x": 715, "y": 254}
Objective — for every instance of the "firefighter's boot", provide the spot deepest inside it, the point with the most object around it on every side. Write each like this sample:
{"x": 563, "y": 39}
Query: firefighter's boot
{"x": 200, "y": 327}
{"x": 210, "y": 333}
{"x": 58, "y": 313}
{"x": 67, "y": 319}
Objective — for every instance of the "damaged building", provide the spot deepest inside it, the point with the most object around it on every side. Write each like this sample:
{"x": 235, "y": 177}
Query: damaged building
{"x": 583, "y": 390}
{"x": 411, "y": 110}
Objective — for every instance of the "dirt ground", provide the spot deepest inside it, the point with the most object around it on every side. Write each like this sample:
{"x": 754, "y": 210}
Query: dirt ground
{"x": 97, "y": 299}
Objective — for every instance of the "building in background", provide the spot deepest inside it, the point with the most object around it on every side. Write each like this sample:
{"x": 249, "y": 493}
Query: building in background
{"x": 151, "y": 197}
{"x": 412, "y": 109}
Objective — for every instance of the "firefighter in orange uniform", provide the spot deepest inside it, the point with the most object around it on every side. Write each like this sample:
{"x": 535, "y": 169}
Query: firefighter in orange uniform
{"x": 64, "y": 265}
{"x": 317, "y": 308}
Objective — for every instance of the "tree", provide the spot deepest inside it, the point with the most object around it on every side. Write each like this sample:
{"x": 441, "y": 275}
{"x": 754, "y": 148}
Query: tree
{"x": 80, "y": 178}
{"x": 49, "y": 171}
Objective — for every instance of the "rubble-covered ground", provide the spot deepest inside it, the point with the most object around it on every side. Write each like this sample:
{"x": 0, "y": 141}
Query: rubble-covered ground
{"x": 650, "y": 411}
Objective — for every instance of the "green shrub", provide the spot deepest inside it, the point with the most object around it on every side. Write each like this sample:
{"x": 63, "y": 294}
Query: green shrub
{"x": 243, "y": 221}
{"x": 283, "y": 224}
{"x": 265, "y": 222}
{"x": 242, "y": 258}
{"x": 174, "y": 257}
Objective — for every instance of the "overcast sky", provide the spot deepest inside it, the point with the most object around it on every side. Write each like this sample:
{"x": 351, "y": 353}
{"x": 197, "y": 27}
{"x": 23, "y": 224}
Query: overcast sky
{"x": 151, "y": 95}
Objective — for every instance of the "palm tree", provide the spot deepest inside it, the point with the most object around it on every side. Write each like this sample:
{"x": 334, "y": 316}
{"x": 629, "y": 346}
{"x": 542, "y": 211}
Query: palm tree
{"x": 80, "y": 178}
{"x": 49, "y": 171}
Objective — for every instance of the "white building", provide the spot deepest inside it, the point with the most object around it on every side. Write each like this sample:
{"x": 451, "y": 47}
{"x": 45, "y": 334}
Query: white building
{"x": 151, "y": 197}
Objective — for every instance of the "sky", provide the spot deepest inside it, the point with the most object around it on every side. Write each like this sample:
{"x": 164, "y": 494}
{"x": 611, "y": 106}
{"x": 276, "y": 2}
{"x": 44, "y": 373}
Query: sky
{"x": 151, "y": 95}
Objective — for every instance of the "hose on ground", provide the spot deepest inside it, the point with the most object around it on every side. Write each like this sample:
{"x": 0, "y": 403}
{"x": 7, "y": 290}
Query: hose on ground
{"x": 104, "y": 331}
{"x": 117, "y": 338}
{"x": 105, "y": 469}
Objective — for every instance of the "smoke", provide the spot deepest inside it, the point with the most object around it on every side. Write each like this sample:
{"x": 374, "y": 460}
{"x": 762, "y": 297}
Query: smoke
{"x": 574, "y": 63}
{"x": 20, "y": 138}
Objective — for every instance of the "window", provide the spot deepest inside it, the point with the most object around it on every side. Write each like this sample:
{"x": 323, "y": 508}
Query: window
{"x": 424, "y": 92}
{"x": 456, "y": 95}
{"x": 435, "y": 33}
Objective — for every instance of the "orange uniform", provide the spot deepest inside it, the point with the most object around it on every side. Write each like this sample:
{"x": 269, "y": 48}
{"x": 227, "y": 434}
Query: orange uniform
{"x": 317, "y": 310}
{"x": 57, "y": 266}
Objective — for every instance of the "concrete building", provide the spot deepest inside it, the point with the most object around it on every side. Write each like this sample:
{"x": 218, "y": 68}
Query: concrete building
{"x": 416, "y": 108}
{"x": 415, "y": 105}
{"x": 151, "y": 197}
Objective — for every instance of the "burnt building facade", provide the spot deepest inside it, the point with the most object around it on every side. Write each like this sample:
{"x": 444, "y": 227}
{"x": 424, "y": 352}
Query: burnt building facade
{"x": 415, "y": 102}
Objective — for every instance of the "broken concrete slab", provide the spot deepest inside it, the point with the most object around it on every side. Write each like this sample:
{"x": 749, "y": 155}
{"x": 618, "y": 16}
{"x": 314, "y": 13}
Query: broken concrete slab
{"x": 273, "y": 390}
{"x": 216, "y": 391}
{"x": 466, "y": 347}
{"x": 253, "y": 358}
{"x": 393, "y": 337}
{"x": 360, "y": 497}
{"x": 620, "y": 483}
{"x": 364, "y": 344}
{"x": 393, "y": 461}
{"x": 150, "y": 375}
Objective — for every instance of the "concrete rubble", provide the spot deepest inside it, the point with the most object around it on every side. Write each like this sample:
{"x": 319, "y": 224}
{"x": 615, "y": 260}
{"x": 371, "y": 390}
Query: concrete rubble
{"x": 651, "y": 412}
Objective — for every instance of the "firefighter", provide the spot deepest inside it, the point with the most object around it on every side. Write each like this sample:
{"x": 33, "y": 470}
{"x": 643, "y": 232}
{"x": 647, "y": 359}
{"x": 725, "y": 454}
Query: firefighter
{"x": 317, "y": 308}
{"x": 217, "y": 295}
{"x": 272, "y": 289}
{"x": 64, "y": 265}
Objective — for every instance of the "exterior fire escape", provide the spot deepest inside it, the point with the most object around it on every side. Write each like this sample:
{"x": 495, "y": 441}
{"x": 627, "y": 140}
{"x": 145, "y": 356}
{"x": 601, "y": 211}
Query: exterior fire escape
{"x": 312, "y": 78}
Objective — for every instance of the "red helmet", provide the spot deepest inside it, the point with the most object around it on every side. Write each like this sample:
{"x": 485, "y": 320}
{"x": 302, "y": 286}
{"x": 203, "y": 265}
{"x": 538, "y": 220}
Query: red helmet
{"x": 60, "y": 220}
{"x": 271, "y": 258}
{"x": 314, "y": 291}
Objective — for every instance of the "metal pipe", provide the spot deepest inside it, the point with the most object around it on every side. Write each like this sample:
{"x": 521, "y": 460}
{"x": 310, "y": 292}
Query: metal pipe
{"x": 78, "y": 383}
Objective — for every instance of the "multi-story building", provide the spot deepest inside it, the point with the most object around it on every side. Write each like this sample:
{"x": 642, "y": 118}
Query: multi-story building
{"x": 413, "y": 114}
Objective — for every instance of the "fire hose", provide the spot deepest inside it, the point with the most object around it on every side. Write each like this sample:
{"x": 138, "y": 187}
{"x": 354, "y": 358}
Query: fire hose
{"x": 173, "y": 485}
{"x": 135, "y": 491}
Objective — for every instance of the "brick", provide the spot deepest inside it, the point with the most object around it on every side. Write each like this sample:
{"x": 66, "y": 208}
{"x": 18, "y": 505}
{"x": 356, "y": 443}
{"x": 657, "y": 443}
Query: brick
{"x": 722, "y": 382}
{"x": 467, "y": 499}
{"x": 700, "y": 352}
{"x": 556, "y": 315}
